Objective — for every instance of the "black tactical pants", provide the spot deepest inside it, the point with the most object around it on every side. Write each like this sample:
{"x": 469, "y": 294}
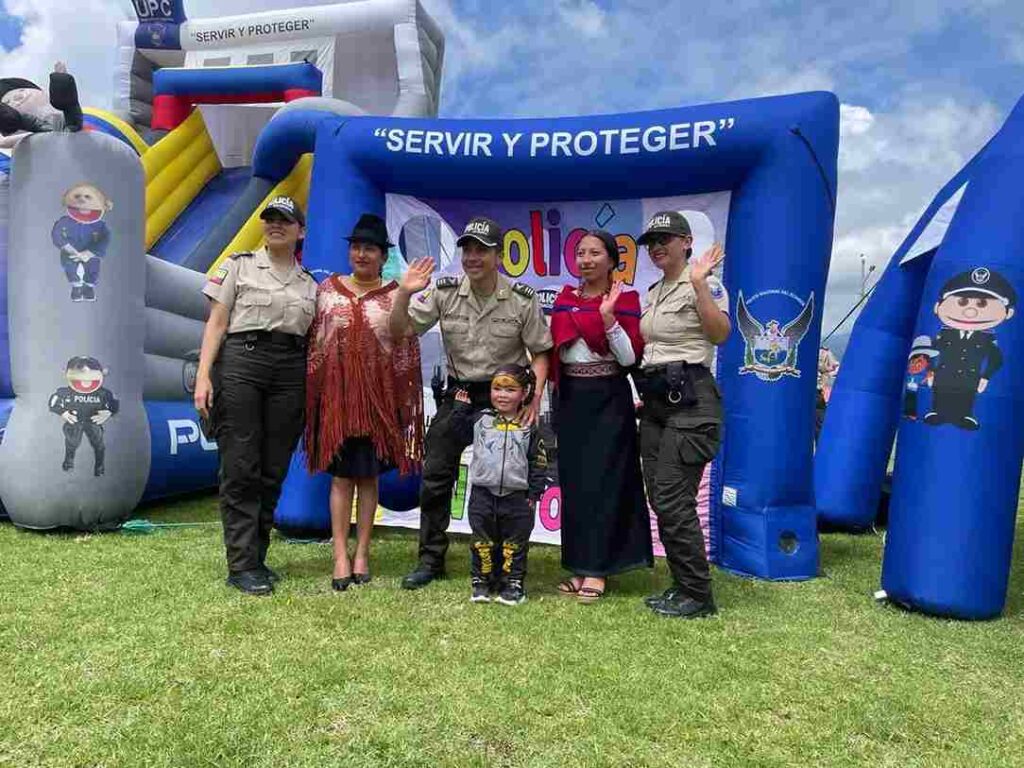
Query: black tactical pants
{"x": 443, "y": 447}
{"x": 260, "y": 404}
{"x": 675, "y": 445}
{"x": 501, "y": 528}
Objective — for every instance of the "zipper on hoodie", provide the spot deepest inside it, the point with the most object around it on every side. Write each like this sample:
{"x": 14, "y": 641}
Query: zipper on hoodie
{"x": 504, "y": 452}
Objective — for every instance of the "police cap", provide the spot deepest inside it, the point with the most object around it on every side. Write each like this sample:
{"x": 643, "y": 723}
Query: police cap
{"x": 286, "y": 207}
{"x": 80, "y": 362}
{"x": 14, "y": 84}
{"x": 980, "y": 282}
{"x": 483, "y": 230}
{"x": 665, "y": 223}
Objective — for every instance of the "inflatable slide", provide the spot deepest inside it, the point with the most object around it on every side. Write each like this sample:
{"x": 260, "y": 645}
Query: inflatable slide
{"x": 99, "y": 339}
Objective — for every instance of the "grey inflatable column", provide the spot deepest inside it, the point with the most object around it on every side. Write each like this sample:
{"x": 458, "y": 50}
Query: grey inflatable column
{"x": 76, "y": 452}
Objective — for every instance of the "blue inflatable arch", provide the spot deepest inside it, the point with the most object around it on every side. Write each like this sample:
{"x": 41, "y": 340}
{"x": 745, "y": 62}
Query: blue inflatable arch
{"x": 778, "y": 158}
{"x": 959, "y": 432}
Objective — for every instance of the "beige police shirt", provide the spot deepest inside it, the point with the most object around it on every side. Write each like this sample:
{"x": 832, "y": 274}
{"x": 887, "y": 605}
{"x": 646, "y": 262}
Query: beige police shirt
{"x": 260, "y": 299}
{"x": 671, "y": 326}
{"x": 481, "y": 334}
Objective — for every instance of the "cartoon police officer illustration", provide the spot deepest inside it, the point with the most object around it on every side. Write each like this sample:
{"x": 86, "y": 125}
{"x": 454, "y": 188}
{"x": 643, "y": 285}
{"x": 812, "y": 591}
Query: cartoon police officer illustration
{"x": 920, "y": 365}
{"x": 85, "y": 405}
{"x": 970, "y": 305}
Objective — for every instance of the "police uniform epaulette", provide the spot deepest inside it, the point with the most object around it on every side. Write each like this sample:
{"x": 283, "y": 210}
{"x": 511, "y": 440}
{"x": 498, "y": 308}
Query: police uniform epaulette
{"x": 524, "y": 290}
{"x": 311, "y": 275}
{"x": 448, "y": 282}
{"x": 240, "y": 254}
{"x": 653, "y": 285}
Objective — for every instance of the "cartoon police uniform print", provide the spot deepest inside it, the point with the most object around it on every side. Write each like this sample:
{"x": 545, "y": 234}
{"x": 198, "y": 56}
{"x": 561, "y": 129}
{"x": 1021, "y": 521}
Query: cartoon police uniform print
{"x": 81, "y": 237}
{"x": 479, "y": 335}
{"x": 970, "y": 305}
{"x": 85, "y": 405}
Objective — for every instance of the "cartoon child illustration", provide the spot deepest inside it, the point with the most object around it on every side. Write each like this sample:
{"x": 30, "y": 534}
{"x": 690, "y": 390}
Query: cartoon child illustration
{"x": 82, "y": 237}
{"x": 919, "y": 374}
{"x": 970, "y": 305}
{"x": 85, "y": 405}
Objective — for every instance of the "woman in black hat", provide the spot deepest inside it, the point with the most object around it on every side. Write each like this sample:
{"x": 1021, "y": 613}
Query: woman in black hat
{"x": 364, "y": 394}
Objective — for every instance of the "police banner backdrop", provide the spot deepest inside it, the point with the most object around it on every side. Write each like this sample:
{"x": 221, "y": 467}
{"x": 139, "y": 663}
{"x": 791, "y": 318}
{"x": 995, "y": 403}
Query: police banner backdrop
{"x": 539, "y": 250}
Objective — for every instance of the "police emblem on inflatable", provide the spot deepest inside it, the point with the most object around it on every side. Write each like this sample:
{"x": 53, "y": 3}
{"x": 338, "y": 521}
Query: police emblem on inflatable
{"x": 771, "y": 347}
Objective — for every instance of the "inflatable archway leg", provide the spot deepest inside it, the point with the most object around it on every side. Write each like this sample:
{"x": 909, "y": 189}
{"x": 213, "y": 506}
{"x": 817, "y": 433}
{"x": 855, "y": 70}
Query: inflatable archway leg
{"x": 863, "y": 411}
{"x": 958, "y": 466}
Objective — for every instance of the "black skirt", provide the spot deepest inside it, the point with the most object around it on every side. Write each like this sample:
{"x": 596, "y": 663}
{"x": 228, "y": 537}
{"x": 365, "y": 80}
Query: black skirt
{"x": 357, "y": 458}
{"x": 606, "y": 527}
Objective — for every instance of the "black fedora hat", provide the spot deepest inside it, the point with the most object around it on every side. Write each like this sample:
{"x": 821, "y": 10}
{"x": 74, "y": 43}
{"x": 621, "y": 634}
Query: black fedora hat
{"x": 371, "y": 229}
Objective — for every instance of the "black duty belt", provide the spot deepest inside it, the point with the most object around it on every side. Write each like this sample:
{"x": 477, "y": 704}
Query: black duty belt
{"x": 676, "y": 382}
{"x": 279, "y": 338}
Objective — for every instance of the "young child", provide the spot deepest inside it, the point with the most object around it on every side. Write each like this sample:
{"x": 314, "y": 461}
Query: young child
{"x": 919, "y": 374}
{"x": 507, "y": 476}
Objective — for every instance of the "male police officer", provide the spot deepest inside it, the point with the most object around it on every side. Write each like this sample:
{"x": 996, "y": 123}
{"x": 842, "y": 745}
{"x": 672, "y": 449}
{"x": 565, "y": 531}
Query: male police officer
{"x": 486, "y": 322}
{"x": 969, "y": 306}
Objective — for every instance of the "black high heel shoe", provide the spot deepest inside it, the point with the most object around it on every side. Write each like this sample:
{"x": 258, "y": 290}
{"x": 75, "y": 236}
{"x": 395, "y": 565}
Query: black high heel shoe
{"x": 361, "y": 578}
{"x": 340, "y": 585}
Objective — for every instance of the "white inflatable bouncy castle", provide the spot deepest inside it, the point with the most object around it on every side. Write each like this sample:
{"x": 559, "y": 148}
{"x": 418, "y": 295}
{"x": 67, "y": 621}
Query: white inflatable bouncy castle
{"x": 106, "y": 236}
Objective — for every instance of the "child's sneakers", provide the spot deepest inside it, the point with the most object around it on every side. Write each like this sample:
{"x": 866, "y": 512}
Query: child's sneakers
{"x": 481, "y": 591}
{"x": 513, "y": 593}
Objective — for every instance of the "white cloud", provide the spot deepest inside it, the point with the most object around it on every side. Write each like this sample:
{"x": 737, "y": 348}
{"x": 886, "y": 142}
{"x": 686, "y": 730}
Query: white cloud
{"x": 584, "y": 16}
{"x": 854, "y": 120}
{"x": 891, "y": 165}
{"x": 86, "y": 39}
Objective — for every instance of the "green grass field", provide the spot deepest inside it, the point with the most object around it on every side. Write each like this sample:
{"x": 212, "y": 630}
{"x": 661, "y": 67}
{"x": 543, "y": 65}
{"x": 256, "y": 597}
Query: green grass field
{"x": 120, "y": 650}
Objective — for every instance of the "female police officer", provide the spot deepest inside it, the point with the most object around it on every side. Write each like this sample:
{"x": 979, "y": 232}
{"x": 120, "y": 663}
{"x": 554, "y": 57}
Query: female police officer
{"x": 264, "y": 302}
{"x": 685, "y": 315}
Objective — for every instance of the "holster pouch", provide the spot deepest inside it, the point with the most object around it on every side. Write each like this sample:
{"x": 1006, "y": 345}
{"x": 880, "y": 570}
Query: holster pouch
{"x": 675, "y": 383}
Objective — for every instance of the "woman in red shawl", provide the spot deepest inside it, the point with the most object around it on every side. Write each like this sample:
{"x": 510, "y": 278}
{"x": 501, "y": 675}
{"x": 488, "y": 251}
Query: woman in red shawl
{"x": 364, "y": 394}
{"x": 596, "y": 327}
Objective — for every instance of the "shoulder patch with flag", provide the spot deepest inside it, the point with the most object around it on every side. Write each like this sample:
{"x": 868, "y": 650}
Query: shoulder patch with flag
{"x": 716, "y": 288}
{"x": 219, "y": 275}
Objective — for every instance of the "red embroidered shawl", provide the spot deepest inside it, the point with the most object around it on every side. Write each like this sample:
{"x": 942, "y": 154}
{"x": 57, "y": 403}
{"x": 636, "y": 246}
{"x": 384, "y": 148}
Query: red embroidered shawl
{"x": 359, "y": 381}
{"x": 574, "y": 318}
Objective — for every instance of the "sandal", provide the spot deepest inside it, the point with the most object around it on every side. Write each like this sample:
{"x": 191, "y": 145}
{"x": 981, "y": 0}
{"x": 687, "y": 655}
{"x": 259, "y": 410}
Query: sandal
{"x": 588, "y": 595}
{"x": 570, "y": 586}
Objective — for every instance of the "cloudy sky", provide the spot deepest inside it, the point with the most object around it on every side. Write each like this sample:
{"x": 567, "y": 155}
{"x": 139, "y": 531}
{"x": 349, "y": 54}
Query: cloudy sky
{"x": 923, "y": 83}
